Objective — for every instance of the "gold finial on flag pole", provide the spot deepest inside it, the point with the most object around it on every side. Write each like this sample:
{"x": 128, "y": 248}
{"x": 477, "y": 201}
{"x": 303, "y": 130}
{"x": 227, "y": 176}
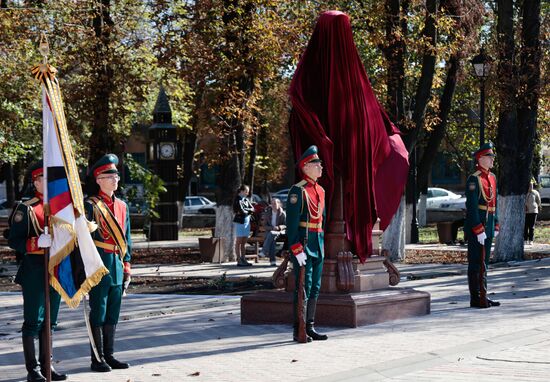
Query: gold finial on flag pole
{"x": 44, "y": 69}
{"x": 44, "y": 47}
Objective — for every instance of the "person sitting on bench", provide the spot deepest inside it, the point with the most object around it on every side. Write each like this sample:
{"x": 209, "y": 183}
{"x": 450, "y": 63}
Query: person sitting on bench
{"x": 275, "y": 224}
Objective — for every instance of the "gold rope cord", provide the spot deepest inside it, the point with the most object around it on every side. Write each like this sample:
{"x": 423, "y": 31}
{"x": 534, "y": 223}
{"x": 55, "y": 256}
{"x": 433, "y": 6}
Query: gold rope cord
{"x": 54, "y": 95}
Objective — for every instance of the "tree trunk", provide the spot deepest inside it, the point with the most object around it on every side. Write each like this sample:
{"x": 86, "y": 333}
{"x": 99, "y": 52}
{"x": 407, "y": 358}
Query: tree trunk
{"x": 224, "y": 228}
{"x": 232, "y": 146}
{"x": 422, "y": 97}
{"x": 393, "y": 238}
{"x": 394, "y": 53}
{"x": 425, "y": 82}
{"x": 509, "y": 243}
{"x": 249, "y": 179}
{"x": 101, "y": 141}
{"x": 517, "y": 120}
{"x": 438, "y": 133}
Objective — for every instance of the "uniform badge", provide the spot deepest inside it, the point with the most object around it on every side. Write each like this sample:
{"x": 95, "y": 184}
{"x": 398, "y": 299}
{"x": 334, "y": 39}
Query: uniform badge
{"x": 293, "y": 199}
{"x": 18, "y": 217}
{"x": 472, "y": 186}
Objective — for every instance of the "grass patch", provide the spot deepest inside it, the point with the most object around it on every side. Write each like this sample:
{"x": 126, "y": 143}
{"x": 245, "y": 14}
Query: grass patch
{"x": 428, "y": 234}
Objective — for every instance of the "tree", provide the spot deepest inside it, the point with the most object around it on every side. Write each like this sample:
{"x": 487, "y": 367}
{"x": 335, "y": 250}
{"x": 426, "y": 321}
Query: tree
{"x": 519, "y": 92}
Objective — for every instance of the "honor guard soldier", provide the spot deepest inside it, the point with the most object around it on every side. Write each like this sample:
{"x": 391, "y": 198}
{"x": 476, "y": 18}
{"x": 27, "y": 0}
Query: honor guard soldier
{"x": 26, "y": 235}
{"x": 305, "y": 222}
{"x": 481, "y": 224}
{"x": 113, "y": 242}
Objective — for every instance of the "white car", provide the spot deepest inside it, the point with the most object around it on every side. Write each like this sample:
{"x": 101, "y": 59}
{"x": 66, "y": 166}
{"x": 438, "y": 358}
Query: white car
{"x": 544, "y": 190}
{"x": 198, "y": 205}
{"x": 437, "y": 196}
{"x": 454, "y": 205}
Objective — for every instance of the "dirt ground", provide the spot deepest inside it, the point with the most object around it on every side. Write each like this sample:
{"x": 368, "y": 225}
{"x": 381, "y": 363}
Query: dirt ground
{"x": 161, "y": 285}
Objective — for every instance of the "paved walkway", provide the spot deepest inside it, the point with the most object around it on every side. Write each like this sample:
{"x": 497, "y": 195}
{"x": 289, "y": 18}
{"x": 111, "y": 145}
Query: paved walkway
{"x": 199, "y": 338}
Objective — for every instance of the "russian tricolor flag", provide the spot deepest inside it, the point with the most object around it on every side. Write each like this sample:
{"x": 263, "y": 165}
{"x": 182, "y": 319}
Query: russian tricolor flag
{"x": 75, "y": 265}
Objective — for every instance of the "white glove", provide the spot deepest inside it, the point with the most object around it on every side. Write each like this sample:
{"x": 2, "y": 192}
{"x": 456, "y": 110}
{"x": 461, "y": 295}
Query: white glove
{"x": 301, "y": 258}
{"x": 126, "y": 283}
{"x": 44, "y": 241}
{"x": 481, "y": 238}
{"x": 496, "y": 234}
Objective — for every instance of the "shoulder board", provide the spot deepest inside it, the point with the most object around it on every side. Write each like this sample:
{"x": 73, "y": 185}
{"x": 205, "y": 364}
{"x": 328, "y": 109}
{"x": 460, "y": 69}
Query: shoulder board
{"x": 301, "y": 183}
{"x": 30, "y": 202}
{"x": 476, "y": 173}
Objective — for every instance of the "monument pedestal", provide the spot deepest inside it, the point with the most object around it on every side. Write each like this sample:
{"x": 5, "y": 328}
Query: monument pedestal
{"x": 349, "y": 310}
{"x": 352, "y": 293}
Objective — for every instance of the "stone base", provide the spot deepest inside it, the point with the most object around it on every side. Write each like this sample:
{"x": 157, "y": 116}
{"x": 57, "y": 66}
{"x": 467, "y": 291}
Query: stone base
{"x": 350, "y": 310}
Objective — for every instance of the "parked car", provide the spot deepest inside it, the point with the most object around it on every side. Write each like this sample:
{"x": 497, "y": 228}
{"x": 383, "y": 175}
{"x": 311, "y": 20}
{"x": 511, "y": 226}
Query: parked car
{"x": 544, "y": 190}
{"x": 198, "y": 204}
{"x": 454, "y": 205}
{"x": 437, "y": 196}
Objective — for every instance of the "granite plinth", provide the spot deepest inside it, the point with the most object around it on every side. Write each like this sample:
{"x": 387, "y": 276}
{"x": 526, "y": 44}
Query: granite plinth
{"x": 348, "y": 310}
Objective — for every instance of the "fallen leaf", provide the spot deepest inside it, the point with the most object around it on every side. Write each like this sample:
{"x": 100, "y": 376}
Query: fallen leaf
{"x": 156, "y": 375}
{"x": 294, "y": 360}
{"x": 195, "y": 374}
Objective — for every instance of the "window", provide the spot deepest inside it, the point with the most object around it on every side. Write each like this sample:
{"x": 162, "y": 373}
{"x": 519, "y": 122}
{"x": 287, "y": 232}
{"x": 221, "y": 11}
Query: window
{"x": 439, "y": 193}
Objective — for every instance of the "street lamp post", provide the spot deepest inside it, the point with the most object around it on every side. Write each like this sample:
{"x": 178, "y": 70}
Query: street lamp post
{"x": 414, "y": 220}
{"x": 482, "y": 66}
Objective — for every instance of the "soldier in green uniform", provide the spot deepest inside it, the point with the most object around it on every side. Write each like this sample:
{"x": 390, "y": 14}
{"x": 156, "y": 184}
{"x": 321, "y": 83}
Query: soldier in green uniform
{"x": 481, "y": 223}
{"x": 114, "y": 244}
{"x": 305, "y": 223}
{"x": 26, "y": 235}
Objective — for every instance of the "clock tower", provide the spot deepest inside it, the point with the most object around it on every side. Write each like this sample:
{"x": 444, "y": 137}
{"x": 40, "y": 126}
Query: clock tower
{"x": 162, "y": 158}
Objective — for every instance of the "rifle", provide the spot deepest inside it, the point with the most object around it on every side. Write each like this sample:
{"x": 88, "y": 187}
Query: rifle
{"x": 302, "y": 337}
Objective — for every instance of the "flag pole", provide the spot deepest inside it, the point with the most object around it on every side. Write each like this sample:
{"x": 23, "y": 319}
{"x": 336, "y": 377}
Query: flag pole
{"x": 47, "y": 341}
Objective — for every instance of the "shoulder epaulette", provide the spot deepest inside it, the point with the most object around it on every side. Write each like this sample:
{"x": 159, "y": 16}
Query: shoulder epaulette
{"x": 301, "y": 183}
{"x": 476, "y": 173}
{"x": 30, "y": 202}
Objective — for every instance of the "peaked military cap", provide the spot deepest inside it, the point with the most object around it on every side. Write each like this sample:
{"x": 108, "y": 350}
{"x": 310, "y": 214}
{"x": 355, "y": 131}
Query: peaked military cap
{"x": 485, "y": 149}
{"x": 36, "y": 169}
{"x": 309, "y": 156}
{"x": 105, "y": 165}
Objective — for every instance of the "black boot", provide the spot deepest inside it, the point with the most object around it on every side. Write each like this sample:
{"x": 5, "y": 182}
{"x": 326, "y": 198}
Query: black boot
{"x": 310, "y": 329}
{"x": 108, "y": 347}
{"x": 31, "y": 364}
{"x": 42, "y": 357}
{"x": 98, "y": 365}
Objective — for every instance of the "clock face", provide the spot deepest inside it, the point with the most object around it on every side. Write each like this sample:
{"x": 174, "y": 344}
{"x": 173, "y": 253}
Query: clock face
{"x": 167, "y": 150}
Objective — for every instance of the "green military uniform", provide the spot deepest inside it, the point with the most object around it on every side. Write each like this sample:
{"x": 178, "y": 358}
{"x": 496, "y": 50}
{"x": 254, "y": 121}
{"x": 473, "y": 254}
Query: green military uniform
{"x": 305, "y": 232}
{"x": 26, "y": 225}
{"x": 113, "y": 241}
{"x": 481, "y": 217}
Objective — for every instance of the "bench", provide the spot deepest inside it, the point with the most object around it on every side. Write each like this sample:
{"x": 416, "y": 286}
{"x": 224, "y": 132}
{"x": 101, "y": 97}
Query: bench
{"x": 258, "y": 239}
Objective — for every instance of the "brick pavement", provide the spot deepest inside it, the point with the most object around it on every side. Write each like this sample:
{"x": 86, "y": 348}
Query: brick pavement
{"x": 172, "y": 337}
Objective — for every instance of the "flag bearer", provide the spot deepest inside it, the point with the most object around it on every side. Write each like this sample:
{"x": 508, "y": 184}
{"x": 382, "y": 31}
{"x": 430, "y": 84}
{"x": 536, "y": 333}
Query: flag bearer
{"x": 114, "y": 244}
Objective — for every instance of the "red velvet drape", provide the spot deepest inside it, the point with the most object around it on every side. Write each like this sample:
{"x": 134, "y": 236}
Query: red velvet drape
{"x": 334, "y": 107}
